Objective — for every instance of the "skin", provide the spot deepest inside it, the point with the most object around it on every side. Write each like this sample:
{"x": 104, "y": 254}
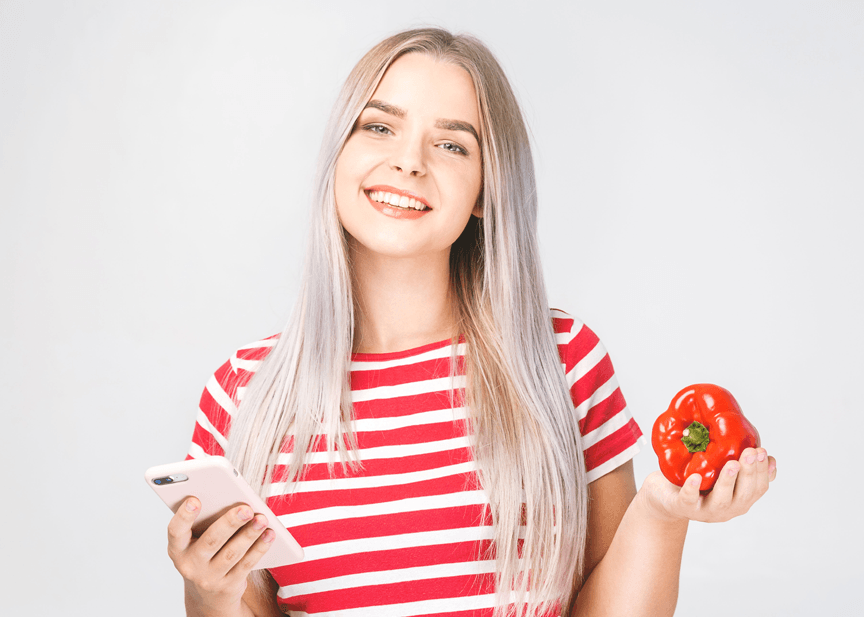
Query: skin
{"x": 635, "y": 539}
{"x": 400, "y": 267}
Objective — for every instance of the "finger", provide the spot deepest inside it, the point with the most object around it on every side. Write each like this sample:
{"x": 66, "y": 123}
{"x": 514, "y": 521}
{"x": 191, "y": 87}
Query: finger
{"x": 761, "y": 471}
{"x": 689, "y": 493}
{"x": 220, "y": 531}
{"x": 772, "y": 468}
{"x": 180, "y": 526}
{"x": 721, "y": 495}
{"x": 745, "y": 485}
{"x": 254, "y": 554}
{"x": 236, "y": 548}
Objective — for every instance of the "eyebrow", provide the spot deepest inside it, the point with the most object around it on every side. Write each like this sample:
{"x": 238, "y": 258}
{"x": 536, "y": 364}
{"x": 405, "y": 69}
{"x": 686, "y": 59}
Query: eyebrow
{"x": 440, "y": 123}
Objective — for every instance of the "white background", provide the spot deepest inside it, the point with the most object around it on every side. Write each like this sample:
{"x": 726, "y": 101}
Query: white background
{"x": 701, "y": 175}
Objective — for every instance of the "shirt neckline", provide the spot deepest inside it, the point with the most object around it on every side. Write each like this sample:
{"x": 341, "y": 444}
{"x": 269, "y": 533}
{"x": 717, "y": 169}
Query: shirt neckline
{"x": 407, "y": 353}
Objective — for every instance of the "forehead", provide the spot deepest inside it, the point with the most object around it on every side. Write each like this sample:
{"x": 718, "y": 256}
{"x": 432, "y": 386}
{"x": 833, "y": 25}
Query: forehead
{"x": 429, "y": 88}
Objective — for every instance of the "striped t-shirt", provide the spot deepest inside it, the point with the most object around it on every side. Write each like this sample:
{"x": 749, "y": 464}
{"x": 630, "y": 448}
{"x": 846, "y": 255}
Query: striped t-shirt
{"x": 405, "y": 534}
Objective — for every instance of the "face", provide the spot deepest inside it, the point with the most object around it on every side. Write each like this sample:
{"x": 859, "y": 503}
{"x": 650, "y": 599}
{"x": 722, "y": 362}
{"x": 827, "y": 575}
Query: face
{"x": 416, "y": 142}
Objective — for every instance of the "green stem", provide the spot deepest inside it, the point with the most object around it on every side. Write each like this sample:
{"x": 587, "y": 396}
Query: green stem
{"x": 695, "y": 438}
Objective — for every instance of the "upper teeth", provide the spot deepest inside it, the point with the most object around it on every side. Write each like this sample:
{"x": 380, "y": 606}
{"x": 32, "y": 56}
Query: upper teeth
{"x": 396, "y": 200}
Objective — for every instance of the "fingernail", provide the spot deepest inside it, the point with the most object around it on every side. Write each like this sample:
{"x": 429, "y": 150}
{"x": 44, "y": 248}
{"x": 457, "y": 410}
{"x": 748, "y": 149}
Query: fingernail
{"x": 244, "y": 515}
{"x": 732, "y": 470}
{"x": 749, "y": 460}
{"x": 268, "y": 535}
{"x": 695, "y": 480}
{"x": 762, "y": 455}
{"x": 259, "y": 524}
{"x": 772, "y": 468}
{"x": 190, "y": 506}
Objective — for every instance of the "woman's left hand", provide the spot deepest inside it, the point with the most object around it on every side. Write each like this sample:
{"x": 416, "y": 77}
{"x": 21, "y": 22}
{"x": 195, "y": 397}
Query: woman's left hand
{"x": 740, "y": 485}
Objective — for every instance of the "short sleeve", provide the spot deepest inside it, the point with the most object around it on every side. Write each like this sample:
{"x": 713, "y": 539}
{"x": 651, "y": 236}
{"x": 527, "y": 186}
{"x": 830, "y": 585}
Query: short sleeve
{"x": 222, "y": 396}
{"x": 610, "y": 435}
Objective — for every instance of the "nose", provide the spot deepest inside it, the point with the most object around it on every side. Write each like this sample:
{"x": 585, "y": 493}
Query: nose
{"x": 407, "y": 157}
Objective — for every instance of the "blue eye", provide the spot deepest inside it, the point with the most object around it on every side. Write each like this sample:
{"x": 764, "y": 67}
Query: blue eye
{"x": 451, "y": 147}
{"x": 377, "y": 128}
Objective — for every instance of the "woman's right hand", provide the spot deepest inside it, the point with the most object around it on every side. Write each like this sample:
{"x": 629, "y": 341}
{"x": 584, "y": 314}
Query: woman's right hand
{"x": 216, "y": 564}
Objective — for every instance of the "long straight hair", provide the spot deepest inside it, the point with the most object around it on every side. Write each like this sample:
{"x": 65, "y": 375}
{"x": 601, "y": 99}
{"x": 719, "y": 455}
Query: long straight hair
{"x": 524, "y": 429}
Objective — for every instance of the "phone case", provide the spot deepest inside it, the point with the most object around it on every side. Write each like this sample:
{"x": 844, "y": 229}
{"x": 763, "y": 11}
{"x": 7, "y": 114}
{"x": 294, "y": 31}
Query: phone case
{"x": 219, "y": 487}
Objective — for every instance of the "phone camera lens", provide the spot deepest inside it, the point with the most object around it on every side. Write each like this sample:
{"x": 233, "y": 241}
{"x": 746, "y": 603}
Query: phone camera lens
{"x": 157, "y": 481}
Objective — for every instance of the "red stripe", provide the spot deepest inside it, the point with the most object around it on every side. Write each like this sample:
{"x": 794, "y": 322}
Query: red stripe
{"x": 301, "y": 502}
{"x": 412, "y": 557}
{"x": 406, "y": 405}
{"x": 207, "y": 442}
{"x": 394, "y": 524}
{"x": 585, "y": 387}
{"x": 382, "y": 466}
{"x": 398, "y": 593}
{"x": 406, "y": 435}
{"x": 610, "y": 446}
{"x": 255, "y": 353}
{"x": 218, "y": 417}
{"x": 582, "y": 344}
{"x": 436, "y": 368}
{"x": 602, "y": 411}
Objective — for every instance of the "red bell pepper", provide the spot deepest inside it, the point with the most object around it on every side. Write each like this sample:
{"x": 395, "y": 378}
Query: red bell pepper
{"x": 702, "y": 429}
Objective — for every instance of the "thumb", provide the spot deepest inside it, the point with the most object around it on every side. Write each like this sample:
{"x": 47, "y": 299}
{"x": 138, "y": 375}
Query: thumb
{"x": 689, "y": 493}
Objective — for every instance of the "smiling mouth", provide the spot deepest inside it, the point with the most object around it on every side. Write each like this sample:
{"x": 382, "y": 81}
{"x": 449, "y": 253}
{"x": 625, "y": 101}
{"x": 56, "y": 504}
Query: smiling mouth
{"x": 403, "y": 202}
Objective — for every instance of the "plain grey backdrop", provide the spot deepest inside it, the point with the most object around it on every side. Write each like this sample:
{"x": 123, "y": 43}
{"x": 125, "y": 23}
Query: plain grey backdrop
{"x": 701, "y": 180}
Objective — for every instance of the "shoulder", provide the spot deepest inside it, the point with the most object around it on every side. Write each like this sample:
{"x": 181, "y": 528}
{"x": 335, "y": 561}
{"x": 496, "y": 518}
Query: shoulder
{"x": 222, "y": 395}
{"x": 576, "y": 341}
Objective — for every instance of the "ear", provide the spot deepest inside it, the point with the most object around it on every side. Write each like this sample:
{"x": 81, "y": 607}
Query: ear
{"x": 478, "y": 207}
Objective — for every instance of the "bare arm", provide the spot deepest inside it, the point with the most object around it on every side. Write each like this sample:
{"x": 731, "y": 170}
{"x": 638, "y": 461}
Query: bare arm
{"x": 608, "y": 499}
{"x": 638, "y": 574}
{"x": 263, "y": 603}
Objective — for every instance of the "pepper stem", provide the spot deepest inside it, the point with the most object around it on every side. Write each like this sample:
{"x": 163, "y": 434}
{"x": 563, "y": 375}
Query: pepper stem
{"x": 695, "y": 438}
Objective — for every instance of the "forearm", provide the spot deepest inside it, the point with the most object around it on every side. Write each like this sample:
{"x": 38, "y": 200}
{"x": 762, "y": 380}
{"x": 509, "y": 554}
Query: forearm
{"x": 195, "y": 608}
{"x": 639, "y": 573}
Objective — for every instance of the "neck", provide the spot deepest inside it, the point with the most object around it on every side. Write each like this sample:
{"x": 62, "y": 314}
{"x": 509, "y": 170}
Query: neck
{"x": 401, "y": 302}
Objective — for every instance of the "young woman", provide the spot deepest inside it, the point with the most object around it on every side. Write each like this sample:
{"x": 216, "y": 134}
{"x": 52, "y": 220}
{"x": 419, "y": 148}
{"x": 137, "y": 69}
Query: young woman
{"x": 445, "y": 442}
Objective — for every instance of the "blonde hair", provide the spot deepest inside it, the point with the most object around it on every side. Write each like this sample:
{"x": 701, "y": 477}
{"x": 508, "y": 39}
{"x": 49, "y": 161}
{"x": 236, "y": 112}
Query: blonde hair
{"x": 525, "y": 435}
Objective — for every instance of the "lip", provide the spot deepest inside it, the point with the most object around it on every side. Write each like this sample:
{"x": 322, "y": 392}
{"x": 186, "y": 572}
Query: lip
{"x": 396, "y": 213}
{"x": 391, "y": 189}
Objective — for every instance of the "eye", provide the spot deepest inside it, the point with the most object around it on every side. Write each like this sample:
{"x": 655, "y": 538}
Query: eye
{"x": 380, "y": 129}
{"x": 451, "y": 147}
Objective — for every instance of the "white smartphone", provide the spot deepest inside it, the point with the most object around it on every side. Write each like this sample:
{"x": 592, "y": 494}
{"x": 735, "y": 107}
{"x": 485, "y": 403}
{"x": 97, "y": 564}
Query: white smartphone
{"x": 219, "y": 487}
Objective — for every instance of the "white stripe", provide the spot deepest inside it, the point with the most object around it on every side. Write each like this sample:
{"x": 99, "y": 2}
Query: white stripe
{"x": 411, "y": 504}
{"x": 408, "y": 389}
{"x": 247, "y": 365}
{"x": 202, "y": 419}
{"x": 422, "y": 607}
{"x": 340, "y": 484}
{"x": 607, "y": 428}
{"x": 387, "y": 577}
{"x": 220, "y": 396}
{"x": 381, "y": 452}
{"x": 434, "y": 354}
{"x": 598, "y": 396}
{"x": 400, "y": 541}
{"x": 566, "y": 338}
{"x": 250, "y": 365}
{"x": 591, "y": 359}
{"x": 196, "y": 451}
{"x": 559, "y": 314}
{"x": 617, "y": 460}
{"x": 435, "y": 416}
